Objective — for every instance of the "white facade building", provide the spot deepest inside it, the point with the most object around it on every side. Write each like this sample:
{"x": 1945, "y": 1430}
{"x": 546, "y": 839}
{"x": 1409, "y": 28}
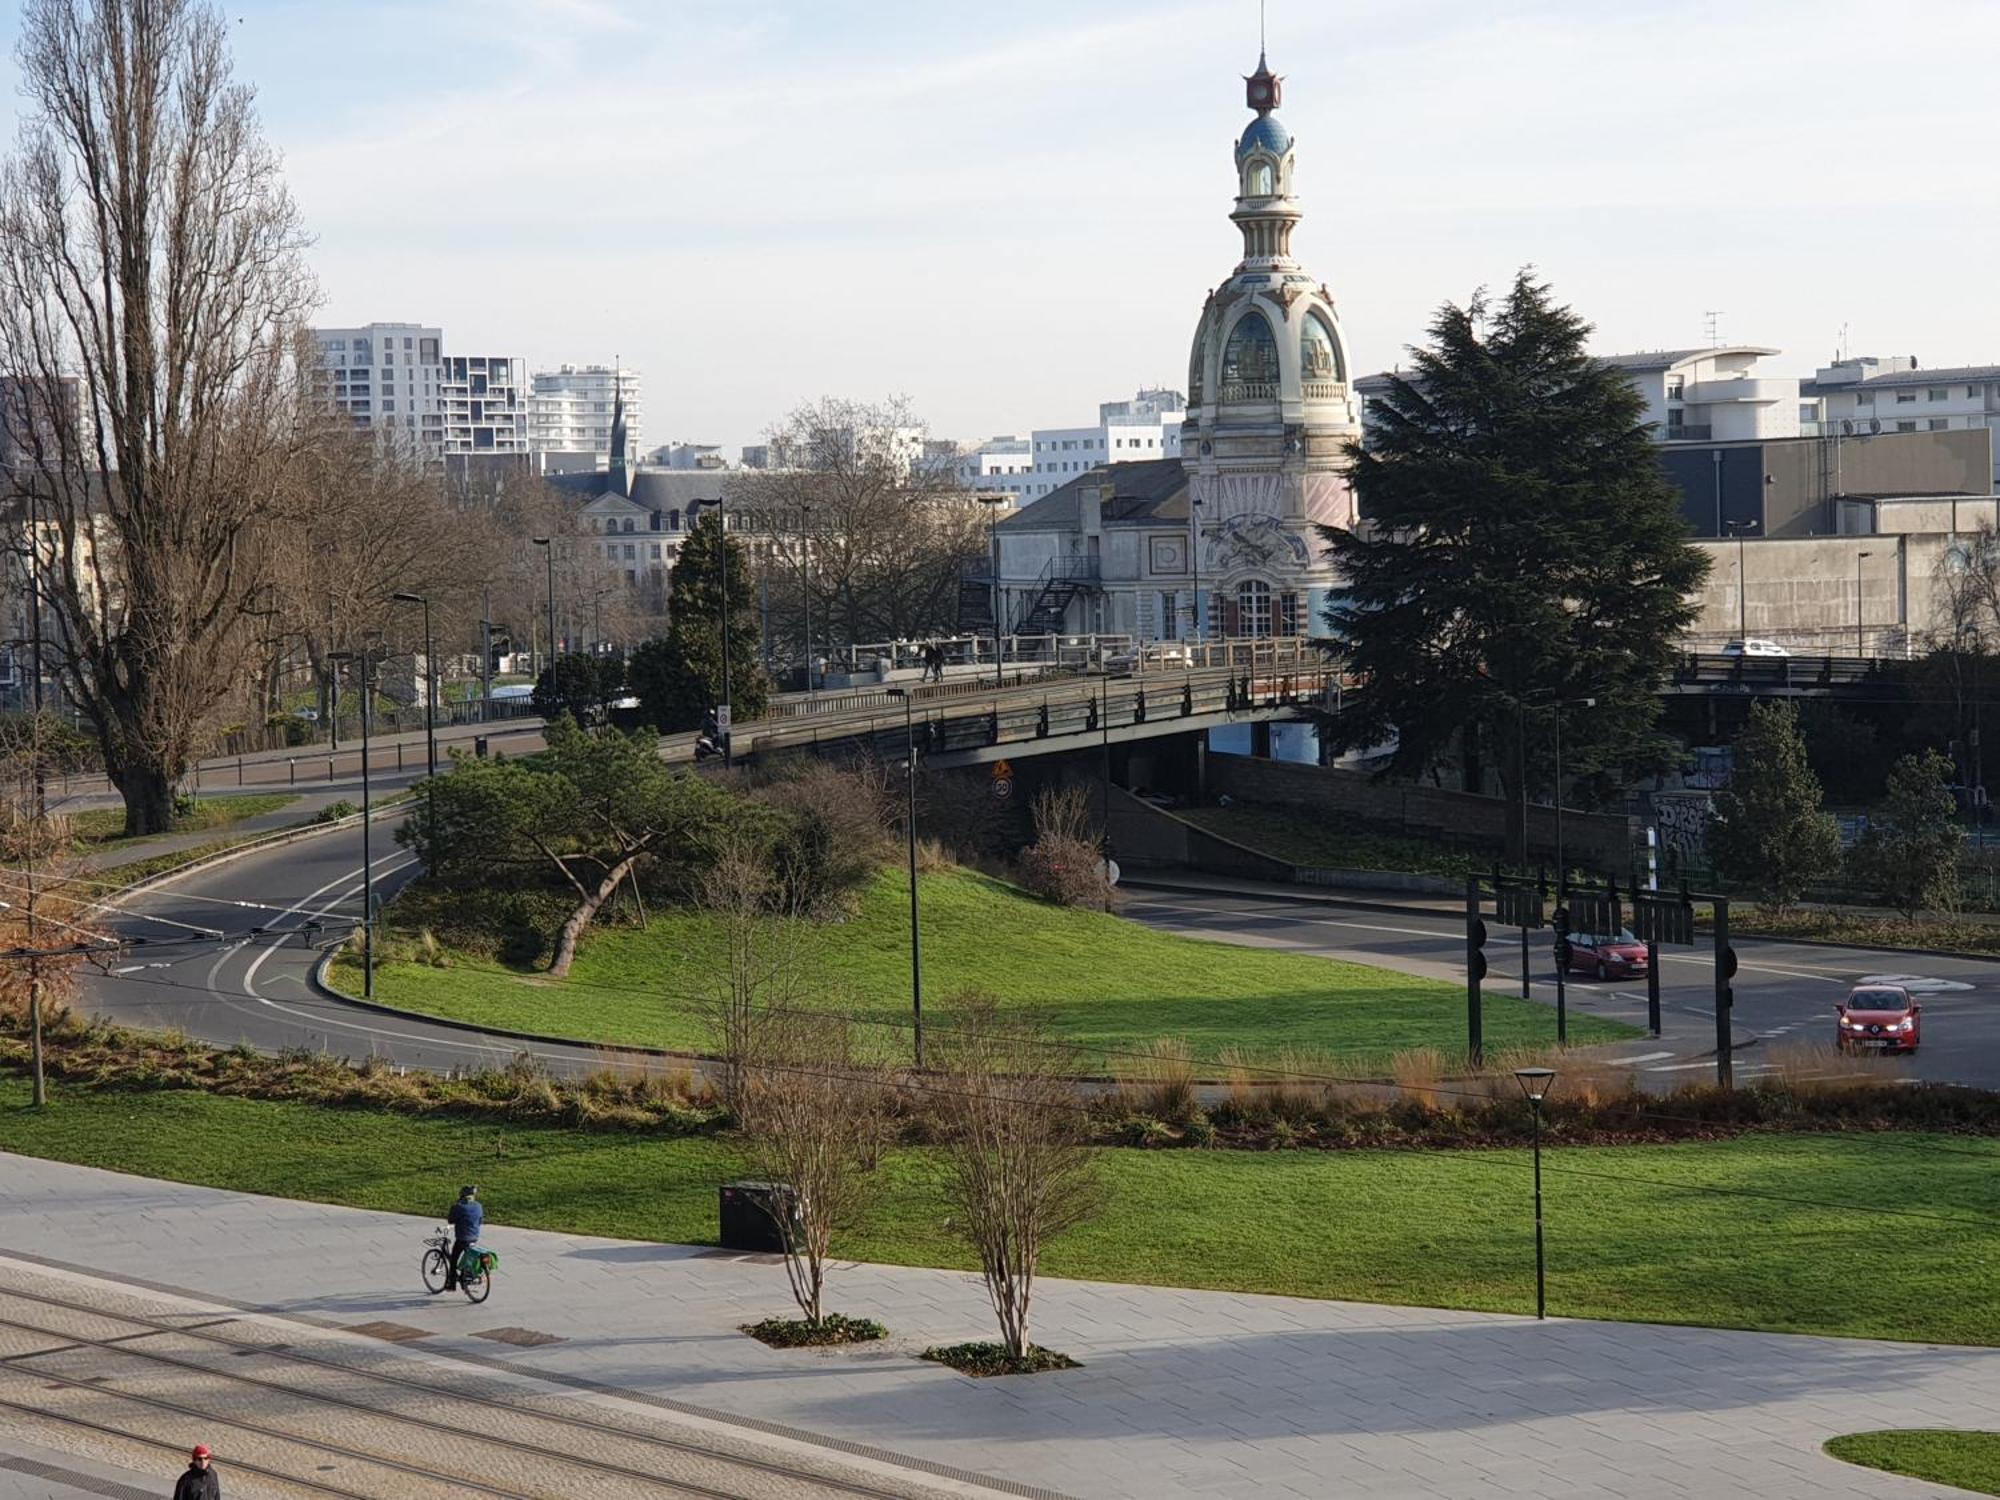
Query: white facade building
{"x": 395, "y": 379}
{"x": 1712, "y": 395}
{"x": 1135, "y": 431}
{"x": 570, "y": 410}
{"x": 1866, "y": 395}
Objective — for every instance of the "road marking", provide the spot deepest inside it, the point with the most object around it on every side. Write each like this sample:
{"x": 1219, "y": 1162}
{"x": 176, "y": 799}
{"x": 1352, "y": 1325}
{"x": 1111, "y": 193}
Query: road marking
{"x": 1916, "y": 984}
{"x": 250, "y": 974}
{"x": 1643, "y": 1057}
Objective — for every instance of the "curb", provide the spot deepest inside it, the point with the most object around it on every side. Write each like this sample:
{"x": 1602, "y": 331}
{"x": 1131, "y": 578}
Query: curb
{"x": 1805, "y": 942}
{"x": 327, "y": 989}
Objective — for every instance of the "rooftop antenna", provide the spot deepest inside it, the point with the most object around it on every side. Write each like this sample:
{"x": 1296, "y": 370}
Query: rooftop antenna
{"x": 1713, "y": 319}
{"x": 1260, "y": 28}
{"x": 1843, "y": 341}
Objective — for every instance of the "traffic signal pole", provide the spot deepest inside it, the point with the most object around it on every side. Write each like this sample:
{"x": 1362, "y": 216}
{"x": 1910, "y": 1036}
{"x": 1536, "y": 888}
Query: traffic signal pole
{"x": 1475, "y": 970}
{"x": 1725, "y": 970}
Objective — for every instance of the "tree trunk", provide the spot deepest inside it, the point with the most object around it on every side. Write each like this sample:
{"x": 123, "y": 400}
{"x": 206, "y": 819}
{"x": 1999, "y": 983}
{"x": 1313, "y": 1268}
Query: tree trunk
{"x": 149, "y": 798}
{"x": 585, "y": 912}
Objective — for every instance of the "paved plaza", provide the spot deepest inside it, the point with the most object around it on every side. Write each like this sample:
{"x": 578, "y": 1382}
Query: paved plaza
{"x": 1181, "y": 1392}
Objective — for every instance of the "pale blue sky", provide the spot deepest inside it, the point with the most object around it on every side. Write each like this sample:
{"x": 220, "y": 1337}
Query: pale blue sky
{"x": 1012, "y": 211}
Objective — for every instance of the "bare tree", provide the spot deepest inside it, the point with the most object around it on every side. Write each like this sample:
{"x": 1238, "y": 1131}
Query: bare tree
{"x": 151, "y": 295}
{"x": 42, "y": 906}
{"x": 866, "y": 529}
{"x": 764, "y": 968}
{"x": 814, "y": 1118}
{"x": 1018, "y": 1165}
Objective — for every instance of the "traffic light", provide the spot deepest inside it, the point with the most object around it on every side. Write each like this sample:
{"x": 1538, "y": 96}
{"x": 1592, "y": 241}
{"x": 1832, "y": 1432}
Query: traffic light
{"x": 1564, "y": 952}
{"x": 1475, "y": 943}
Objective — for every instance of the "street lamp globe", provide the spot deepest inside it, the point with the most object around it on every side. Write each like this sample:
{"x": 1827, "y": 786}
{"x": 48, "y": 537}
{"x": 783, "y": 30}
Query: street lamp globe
{"x": 1535, "y": 1082}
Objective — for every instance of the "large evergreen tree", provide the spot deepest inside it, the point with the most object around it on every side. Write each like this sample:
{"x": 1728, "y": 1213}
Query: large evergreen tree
{"x": 678, "y": 676}
{"x": 1913, "y": 845}
{"x": 1521, "y": 545}
{"x": 1771, "y": 834}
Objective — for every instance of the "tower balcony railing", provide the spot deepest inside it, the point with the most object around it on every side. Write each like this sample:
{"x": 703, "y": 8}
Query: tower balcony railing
{"x": 1325, "y": 390}
{"x": 1250, "y": 390}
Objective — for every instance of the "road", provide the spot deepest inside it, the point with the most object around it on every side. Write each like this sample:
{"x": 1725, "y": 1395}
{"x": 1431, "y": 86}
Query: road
{"x": 1785, "y": 992}
{"x": 213, "y": 978}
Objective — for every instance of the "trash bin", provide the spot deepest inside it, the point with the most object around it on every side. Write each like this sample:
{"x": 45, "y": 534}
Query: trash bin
{"x": 479, "y": 746}
{"x": 748, "y": 1215}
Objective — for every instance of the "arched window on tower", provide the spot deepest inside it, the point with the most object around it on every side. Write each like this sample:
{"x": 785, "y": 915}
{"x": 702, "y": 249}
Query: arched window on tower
{"x": 1260, "y": 180}
{"x": 1253, "y": 607}
{"x": 1319, "y": 354}
{"x": 1196, "y": 361}
{"x": 1250, "y": 361}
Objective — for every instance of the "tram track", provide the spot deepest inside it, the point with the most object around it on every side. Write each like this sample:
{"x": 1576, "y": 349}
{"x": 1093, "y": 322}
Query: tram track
{"x": 537, "y": 1438}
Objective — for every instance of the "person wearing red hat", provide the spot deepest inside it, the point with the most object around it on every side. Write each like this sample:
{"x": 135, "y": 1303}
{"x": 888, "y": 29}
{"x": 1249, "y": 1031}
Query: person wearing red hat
{"x": 199, "y": 1482}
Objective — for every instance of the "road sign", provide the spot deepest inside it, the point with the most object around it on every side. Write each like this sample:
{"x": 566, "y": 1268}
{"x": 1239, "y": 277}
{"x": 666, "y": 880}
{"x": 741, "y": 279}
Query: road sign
{"x": 1003, "y": 781}
{"x": 1518, "y": 906}
{"x": 722, "y": 718}
{"x": 1664, "y": 920}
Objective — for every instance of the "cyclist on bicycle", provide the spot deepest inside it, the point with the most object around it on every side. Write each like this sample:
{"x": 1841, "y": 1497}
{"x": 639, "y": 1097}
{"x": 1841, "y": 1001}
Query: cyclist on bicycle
{"x": 466, "y": 1217}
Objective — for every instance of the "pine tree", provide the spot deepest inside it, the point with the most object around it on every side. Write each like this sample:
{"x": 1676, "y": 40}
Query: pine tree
{"x": 1521, "y": 545}
{"x": 678, "y": 676}
{"x": 1770, "y": 833}
{"x": 1912, "y": 849}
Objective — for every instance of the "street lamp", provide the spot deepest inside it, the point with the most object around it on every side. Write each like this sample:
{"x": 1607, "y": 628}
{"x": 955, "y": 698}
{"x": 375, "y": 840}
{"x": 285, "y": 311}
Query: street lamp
{"x": 1739, "y": 530}
{"x": 367, "y": 822}
{"x": 1104, "y": 804}
{"x": 806, "y": 582}
{"x": 430, "y": 714}
{"x": 993, "y": 504}
{"x": 916, "y": 940}
{"x": 1536, "y": 1083}
{"x": 1859, "y": 648}
{"x": 548, "y": 545}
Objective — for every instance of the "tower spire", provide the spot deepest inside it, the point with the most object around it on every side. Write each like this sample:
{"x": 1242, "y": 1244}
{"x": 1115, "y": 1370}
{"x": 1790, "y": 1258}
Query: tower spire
{"x": 616, "y": 468}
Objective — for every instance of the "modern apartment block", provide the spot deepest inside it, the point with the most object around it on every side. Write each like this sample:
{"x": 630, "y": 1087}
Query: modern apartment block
{"x": 1867, "y": 395}
{"x": 395, "y": 379}
{"x": 570, "y": 409}
{"x": 1147, "y": 427}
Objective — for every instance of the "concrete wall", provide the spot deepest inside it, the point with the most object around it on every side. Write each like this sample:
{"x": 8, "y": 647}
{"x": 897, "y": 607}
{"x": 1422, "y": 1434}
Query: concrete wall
{"x": 1801, "y": 593}
{"x": 1590, "y": 840}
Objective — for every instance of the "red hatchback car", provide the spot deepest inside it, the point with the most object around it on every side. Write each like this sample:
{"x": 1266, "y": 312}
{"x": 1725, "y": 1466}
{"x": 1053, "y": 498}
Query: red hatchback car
{"x": 1878, "y": 1017}
{"x": 1618, "y": 955}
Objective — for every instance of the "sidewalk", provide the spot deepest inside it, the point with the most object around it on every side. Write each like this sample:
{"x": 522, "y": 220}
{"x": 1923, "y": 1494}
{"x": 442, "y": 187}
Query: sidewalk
{"x": 1407, "y": 903}
{"x": 1181, "y": 1393}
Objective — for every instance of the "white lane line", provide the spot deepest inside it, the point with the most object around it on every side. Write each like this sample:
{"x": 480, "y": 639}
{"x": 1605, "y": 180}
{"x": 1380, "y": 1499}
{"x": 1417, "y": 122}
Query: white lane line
{"x": 1643, "y": 1057}
{"x": 250, "y": 974}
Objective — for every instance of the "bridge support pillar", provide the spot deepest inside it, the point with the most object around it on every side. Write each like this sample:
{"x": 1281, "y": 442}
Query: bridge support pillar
{"x": 1260, "y": 740}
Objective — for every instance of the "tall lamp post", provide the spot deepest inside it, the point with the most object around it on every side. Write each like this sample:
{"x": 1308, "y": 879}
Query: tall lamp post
{"x": 1739, "y": 530}
{"x": 993, "y": 504}
{"x": 1860, "y": 649}
{"x": 361, "y": 658}
{"x": 430, "y": 713}
{"x": 1536, "y": 1083}
{"x": 806, "y": 582}
{"x": 548, "y": 546}
{"x": 916, "y": 938}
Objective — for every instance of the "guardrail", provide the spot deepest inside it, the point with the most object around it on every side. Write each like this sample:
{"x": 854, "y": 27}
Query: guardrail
{"x": 1793, "y": 673}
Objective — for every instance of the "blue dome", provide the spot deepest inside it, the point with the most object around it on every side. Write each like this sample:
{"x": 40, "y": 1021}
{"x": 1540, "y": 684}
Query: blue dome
{"x": 1267, "y": 131}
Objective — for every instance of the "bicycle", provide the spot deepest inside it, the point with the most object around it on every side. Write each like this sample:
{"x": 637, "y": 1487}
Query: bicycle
{"x": 436, "y": 1267}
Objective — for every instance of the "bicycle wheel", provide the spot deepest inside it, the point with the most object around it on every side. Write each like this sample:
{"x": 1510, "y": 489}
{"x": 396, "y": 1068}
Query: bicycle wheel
{"x": 479, "y": 1288}
{"x": 434, "y": 1269}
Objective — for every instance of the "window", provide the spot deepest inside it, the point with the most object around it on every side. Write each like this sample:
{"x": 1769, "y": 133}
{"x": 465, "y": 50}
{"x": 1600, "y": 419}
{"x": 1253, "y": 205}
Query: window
{"x": 389, "y": 405}
{"x": 1253, "y": 607}
{"x": 656, "y": 552}
{"x": 1676, "y": 384}
{"x": 1906, "y": 427}
{"x": 1940, "y": 424}
{"x": 631, "y": 550}
{"x": 1938, "y": 393}
{"x": 388, "y": 356}
{"x": 1250, "y": 360}
{"x": 1170, "y": 614}
{"x": 1864, "y": 398}
{"x": 1259, "y": 181}
{"x": 1319, "y": 356}
{"x": 1905, "y": 398}
{"x": 1288, "y": 614}
{"x": 407, "y": 342}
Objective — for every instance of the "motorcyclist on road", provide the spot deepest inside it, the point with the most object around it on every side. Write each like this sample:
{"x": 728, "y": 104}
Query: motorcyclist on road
{"x": 466, "y": 1218}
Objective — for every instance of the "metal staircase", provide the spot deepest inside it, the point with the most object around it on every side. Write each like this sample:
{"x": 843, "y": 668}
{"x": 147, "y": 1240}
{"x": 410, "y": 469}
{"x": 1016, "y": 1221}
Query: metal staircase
{"x": 1047, "y": 612}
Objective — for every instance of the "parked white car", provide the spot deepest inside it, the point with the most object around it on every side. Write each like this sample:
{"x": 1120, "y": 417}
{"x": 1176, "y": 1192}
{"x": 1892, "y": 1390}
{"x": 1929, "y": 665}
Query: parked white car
{"x": 1754, "y": 647}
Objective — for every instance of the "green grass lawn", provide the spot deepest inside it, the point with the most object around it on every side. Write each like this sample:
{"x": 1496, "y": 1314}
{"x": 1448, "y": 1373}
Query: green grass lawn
{"x": 1103, "y": 981}
{"x": 1970, "y": 1460}
{"x": 1449, "y": 1229}
{"x": 1301, "y": 838}
{"x": 104, "y": 827}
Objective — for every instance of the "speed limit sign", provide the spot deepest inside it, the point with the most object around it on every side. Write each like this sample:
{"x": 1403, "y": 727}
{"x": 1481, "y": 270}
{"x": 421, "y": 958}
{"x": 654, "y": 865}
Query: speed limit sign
{"x": 1003, "y": 781}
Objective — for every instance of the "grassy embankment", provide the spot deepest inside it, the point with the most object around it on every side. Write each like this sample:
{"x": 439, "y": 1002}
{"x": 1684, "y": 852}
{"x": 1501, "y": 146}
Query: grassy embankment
{"x": 1632, "y": 1234}
{"x": 1102, "y": 981}
{"x": 1969, "y": 1460}
{"x": 102, "y": 828}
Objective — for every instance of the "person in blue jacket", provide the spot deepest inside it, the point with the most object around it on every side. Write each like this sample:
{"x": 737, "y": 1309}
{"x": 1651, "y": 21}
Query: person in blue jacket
{"x": 466, "y": 1218}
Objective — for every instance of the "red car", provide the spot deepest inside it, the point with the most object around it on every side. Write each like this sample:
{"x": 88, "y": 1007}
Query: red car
{"x": 1878, "y": 1017}
{"x": 1617, "y": 956}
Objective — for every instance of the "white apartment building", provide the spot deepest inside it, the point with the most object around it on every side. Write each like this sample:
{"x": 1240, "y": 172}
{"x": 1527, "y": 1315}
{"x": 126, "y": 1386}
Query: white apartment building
{"x": 1146, "y": 427}
{"x": 1865, "y": 395}
{"x": 570, "y": 410}
{"x": 395, "y": 379}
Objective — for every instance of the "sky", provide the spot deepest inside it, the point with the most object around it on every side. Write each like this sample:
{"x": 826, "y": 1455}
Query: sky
{"x": 1011, "y": 212}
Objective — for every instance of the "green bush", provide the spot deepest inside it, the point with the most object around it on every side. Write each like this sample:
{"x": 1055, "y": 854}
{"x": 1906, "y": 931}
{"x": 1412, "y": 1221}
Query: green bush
{"x": 333, "y": 812}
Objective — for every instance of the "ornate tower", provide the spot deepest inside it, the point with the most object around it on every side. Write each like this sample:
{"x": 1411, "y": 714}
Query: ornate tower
{"x": 1269, "y": 405}
{"x": 617, "y": 474}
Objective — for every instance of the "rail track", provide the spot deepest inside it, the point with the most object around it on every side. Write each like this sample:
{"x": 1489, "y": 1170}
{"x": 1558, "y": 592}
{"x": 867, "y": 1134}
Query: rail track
{"x": 340, "y": 1418}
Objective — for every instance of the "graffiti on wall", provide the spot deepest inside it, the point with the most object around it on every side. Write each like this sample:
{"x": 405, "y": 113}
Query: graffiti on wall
{"x": 1683, "y": 823}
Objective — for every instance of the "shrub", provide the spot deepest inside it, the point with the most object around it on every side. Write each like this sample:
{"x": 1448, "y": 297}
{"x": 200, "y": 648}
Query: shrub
{"x": 1064, "y": 863}
{"x": 333, "y": 812}
{"x": 1159, "y": 1081}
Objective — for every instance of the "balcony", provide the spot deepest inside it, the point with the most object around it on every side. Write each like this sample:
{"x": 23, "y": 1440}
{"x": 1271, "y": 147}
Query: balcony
{"x": 1261, "y": 390}
{"x": 1689, "y": 432}
{"x": 1324, "y": 390}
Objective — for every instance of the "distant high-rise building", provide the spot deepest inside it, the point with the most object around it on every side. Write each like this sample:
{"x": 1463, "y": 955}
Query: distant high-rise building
{"x": 1146, "y": 427}
{"x": 396, "y": 380}
{"x": 570, "y": 411}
